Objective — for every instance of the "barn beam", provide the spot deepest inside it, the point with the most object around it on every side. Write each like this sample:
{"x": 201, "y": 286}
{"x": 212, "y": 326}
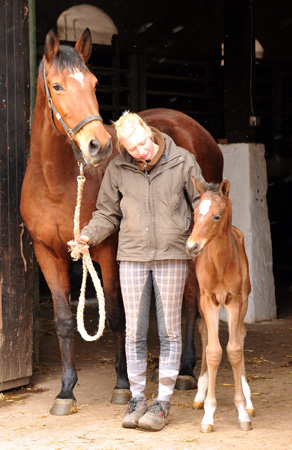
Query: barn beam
{"x": 239, "y": 61}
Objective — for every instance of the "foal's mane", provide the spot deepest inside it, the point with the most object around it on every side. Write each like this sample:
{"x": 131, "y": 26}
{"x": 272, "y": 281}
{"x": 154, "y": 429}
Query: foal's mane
{"x": 213, "y": 187}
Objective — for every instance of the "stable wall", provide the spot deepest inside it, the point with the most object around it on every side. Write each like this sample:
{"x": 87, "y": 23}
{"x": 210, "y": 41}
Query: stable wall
{"x": 245, "y": 168}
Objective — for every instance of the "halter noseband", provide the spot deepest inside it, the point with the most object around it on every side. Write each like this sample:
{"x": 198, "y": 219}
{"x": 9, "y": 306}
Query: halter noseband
{"x": 70, "y": 132}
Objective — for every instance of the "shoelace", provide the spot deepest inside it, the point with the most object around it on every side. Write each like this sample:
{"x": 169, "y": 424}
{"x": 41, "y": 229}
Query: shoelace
{"x": 133, "y": 404}
{"x": 157, "y": 407}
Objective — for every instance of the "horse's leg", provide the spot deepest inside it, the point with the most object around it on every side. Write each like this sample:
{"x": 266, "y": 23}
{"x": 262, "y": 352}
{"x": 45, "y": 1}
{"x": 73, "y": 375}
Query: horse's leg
{"x": 186, "y": 378}
{"x": 213, "y": 356}
{"x": 116, "y": 319}
{"x": 203, "y": 378}
{"x": 55, "y": 271}
{"x": 246, "y": 391}
{"x": 235, "y": 355}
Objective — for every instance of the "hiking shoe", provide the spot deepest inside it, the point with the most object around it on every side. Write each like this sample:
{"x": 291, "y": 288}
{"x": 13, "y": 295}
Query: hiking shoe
{"x": 156, "y": 416}
{"x": 137, "y": 406}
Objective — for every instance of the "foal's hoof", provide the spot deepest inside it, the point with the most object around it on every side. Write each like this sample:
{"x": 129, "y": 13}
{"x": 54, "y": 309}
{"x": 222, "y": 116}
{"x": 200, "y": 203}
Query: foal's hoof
{"x": 63, "y": 407}
{"x": 185, "y": 383}
{"x": 251, "y": 412}
{"x": 207, "y": 428}
{"x": 121, "y": 396}
{"x": 198, "y": 405}
{"x": 245, "y": 426}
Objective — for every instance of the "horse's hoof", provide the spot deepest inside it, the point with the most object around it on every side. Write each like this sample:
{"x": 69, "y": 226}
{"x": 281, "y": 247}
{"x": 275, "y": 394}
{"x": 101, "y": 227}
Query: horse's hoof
{"x": 198, "y": 405}
{"x": 207, "y": 428}
{"x": 63, "y": 407}
{"x": 245, "y": 426}
{"x": 121, "y": 396}
{"x": 185, "y": 383}
{"x": 251, "y": 412}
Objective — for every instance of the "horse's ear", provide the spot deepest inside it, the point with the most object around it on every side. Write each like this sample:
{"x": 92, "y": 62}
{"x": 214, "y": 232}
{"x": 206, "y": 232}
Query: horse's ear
{"x": 84, "y": 44}
{"x": 224, "y": 188}
{"x": 52, "y": 44}
{"x": 200, "y": 187}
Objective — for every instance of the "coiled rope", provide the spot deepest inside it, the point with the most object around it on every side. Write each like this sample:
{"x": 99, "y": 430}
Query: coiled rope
{"x": 74, "y": 249}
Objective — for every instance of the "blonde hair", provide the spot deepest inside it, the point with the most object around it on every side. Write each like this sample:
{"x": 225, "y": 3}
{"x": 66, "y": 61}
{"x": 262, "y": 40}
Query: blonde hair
{"x": 127, "y": 124}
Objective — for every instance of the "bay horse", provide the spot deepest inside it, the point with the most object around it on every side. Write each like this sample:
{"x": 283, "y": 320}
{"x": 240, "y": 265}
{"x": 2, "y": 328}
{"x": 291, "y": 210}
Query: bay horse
{"x": 66, "y": 117}
{"x": 223, "y": 279}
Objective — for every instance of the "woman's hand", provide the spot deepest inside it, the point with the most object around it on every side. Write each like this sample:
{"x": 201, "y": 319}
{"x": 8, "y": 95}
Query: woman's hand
{"x": 83, "y": 240}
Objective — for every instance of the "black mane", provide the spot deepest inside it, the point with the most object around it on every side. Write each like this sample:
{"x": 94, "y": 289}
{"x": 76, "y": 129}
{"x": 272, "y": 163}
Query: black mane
{"x": 67, "y": 58}
{"x": 213, "y": 187}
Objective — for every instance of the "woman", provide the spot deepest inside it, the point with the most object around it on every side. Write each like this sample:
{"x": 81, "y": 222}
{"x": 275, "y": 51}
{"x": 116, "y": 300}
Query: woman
{"x": 147, "y": 193}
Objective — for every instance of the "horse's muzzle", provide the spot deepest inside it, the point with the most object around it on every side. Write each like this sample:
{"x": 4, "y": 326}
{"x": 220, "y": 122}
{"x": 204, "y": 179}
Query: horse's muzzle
{"x": 193, "y": 248}
{"x": 97, "y": 154}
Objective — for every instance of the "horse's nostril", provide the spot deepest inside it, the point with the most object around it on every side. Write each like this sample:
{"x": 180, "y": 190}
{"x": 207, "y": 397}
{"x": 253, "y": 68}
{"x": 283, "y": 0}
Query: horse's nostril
{"x": 192, "y": 248}
{"x": 94, "y": 147}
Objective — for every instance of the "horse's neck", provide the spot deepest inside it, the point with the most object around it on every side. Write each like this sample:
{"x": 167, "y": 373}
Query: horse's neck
{"x": 51, "y": 158}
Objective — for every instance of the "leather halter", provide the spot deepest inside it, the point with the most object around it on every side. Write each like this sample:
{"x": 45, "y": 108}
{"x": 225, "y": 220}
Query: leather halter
{"x": 70, "y": 132}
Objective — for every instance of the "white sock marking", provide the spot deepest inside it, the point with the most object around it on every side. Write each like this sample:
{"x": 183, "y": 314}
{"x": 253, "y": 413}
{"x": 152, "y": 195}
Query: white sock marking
{"x": 246, "y": 392}
{"x": 202, "y": 388}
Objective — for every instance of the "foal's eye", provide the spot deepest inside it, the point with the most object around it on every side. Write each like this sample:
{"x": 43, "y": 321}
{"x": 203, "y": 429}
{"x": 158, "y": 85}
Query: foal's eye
{"x": 57, "y": 87}
{"x": 217, "y": 218}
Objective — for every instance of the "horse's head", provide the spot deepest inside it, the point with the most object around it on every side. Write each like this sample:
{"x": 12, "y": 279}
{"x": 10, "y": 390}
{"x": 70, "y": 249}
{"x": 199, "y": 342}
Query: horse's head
{"x": 212, "y": 214}
{"x": 70, "y": 88}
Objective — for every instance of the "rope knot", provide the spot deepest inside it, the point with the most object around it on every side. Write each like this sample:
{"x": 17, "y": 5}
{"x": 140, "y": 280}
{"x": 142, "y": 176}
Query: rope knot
{"x": 75, "y": 250}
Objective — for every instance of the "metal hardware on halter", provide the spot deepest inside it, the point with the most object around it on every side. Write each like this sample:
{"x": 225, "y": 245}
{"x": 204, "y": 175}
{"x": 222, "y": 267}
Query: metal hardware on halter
{"x": 70, "y": 132}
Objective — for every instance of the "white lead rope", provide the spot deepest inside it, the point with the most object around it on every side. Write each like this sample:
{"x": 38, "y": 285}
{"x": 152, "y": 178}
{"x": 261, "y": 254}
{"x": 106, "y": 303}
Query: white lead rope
{"x": 87, "y": 267}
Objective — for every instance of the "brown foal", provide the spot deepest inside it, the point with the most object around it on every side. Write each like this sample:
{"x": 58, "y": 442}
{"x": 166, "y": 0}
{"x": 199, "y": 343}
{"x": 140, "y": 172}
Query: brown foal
{"x": 222, "y": 273}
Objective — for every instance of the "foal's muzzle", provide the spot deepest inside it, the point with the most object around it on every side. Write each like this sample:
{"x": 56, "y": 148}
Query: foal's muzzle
{"x": 193, "y": 248}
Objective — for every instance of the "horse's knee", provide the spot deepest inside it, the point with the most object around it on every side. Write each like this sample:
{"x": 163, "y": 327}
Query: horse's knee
{"x": 214, "y": 354}
{"x": 64, "y": 326}
{"x": 115, "y": 313}
{"x": 234, "y": 353}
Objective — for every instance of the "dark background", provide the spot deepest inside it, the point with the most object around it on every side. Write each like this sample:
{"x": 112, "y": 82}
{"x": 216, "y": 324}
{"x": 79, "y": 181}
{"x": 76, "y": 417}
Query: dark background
{"x": 168, "y": 54}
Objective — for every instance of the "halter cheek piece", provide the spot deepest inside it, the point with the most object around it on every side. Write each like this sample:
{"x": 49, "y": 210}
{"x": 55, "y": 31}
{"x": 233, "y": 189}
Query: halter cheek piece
{"x": 70, "y": 132}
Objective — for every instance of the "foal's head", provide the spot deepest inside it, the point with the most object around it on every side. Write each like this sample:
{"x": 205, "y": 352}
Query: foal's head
{"x": 212, "y": 215}
{"x": 72, "y": 89}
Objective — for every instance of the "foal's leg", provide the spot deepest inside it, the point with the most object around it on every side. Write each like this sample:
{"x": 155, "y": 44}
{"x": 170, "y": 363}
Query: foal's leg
{"x": 235, "y": 355}
{"x": 213, "y": 356}
{"x": 245, "y": 386}
{"x": 246, "y": 391}
{"x": 203, "y": 378}
{"x": 55, "y": 271}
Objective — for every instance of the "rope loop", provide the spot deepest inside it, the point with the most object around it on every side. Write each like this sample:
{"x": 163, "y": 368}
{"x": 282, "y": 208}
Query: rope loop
{"x": 74, "y": 249}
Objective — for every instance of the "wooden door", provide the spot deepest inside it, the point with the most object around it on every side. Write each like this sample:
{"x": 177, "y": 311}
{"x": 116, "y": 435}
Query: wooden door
{"x": 16, "y": 324}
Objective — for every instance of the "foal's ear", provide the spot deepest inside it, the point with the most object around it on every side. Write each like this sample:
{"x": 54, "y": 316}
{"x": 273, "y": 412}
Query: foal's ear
{"x": 84, "y": 44}
{"x": 200, "y": 187}
{"x": 224, "y": 188}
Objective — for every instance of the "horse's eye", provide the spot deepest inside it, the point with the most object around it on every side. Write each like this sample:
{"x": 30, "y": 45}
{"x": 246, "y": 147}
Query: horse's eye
{"x": 58, "y": 87}
{"x": 217, "y": 218}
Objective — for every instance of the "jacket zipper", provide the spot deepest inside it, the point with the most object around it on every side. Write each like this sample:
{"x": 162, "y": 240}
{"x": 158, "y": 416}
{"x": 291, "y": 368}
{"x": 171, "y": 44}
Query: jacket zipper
{"x": 148, "y": 177}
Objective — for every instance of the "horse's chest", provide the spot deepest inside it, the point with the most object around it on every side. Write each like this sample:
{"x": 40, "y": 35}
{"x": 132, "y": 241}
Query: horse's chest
{"x": 219, "y": 281}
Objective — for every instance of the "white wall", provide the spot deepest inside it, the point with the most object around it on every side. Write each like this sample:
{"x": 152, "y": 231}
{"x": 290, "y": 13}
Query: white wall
{"x": 245, "y": 168}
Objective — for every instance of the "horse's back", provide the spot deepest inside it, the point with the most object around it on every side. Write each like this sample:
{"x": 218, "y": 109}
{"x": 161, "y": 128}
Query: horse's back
{"x": 189, "y": 134}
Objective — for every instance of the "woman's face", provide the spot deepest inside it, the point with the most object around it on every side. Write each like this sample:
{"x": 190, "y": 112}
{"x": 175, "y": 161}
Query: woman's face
{"x": 140, "y": 144}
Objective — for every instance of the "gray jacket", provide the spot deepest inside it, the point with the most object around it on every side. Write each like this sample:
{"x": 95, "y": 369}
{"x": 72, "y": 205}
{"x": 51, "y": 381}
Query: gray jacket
{"x": 153, "y": 210}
